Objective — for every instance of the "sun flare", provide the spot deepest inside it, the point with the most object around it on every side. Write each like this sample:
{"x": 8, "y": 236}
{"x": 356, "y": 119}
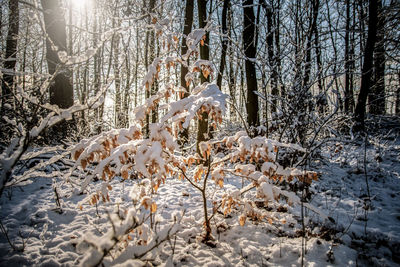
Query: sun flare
{"x": 80, "y": 4}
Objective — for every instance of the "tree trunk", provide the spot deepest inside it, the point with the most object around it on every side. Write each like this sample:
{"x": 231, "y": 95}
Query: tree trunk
{"x": 253, "y": 119}
{"x": 10, "y": 56}
{"x": 277, "y": 23}
{"x": 187, "y": 28}
{"x": 224, "y": 43}
{"x": 348, "y": 84}
{"x": 232, "y": 77}
{"x": 128, "y": 82}
{"x": 376, "y": 98}
{"x": 9, "y": 64}
{"x": 61, "y": 91}
{"x": 203, "y": 131}
{"x": 312, "y": 28}
{"x": 271, "y": 32}
{"x": 359, "y": 114}
{"x": 335, "y": 54}
{"x": 96, "y": 65}
{"x": 149, "y": 49}
{"x": 321, "y": 99}
{"x": 117, "y": 78}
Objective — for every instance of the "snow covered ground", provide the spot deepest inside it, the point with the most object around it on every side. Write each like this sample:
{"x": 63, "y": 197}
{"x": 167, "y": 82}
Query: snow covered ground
{"x": 358, "y": 236}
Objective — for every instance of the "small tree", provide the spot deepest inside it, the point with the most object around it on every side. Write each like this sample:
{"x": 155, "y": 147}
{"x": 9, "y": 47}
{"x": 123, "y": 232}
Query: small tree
{"x": 154, "y": 159}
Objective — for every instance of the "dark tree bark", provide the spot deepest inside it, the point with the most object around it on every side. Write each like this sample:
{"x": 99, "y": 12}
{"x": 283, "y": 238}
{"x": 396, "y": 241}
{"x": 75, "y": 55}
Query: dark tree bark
{"x": 203, "y": 131}
{"x": 149, "y": 48}
{"x": 232, "y": 77}
{"x": 61, "y": 90}
{"x": 253, "y": 119}
{"x": 187, "y": 28}
{"x": 9, "y": 64}
{"x": 271, "y": 32}
{"x": 11, "y": 53}
{"x": 348, "y": 84}
{"x": 377, "y": 96}
{"x": 312, "y": 24}
{"x": 359, "y": 114}
{"x": 224, "y": 42}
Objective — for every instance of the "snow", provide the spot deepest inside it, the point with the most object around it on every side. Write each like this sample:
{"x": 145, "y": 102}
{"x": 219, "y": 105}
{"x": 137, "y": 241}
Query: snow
{"x": 124, "y": 202}
{"x": 58, "y": 239}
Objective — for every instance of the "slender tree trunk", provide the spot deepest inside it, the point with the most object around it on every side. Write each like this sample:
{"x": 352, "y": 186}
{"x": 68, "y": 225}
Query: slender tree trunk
{"x": 70, "y": 36}
{"x": 277, "y": 23}
{"x": 321, "y": 100}
{"x": 224, "y": 42}
{"x": 271, "y": 31}
{"x": 7, "y": 84}
{"x": 312, "y": 24}
{"x": 377, "y": 96}
{"x": 149, "y": 49}
{"x": 348, "y": 92}
{"x": 136, "y": 67}
{"x": 232, "y": 78}
{"x": 203, "y": 130}
{"x": 359, "y": 114}
{"x": 187, "y": 28}
{"x": 96, "y": 64}
{"x": 11, "y": 60}
{"x": 128, "y": 82}
{"x": 117, "y": 78}
{"x": 335, "y": 53}
{"x": 253, "y": 119}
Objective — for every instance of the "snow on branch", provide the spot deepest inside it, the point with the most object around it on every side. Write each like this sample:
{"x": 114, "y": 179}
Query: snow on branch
{"x": 13, "y": 153}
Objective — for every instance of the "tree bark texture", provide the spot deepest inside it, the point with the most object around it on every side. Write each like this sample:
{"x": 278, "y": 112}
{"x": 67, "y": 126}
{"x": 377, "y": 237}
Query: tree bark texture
{"x": 377, "y": 96}
{"x": 224, "y": 42}
{"x": 61, "y": 90}
{"x": 203, "y": 131}
{"x": 187, "y": 28}
{"x": 359, "y": 114}
{"x": 253, "y": 119}
{"x": 10, "y": 56}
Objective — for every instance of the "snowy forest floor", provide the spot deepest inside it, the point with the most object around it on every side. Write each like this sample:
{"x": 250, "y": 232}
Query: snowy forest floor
{"x": 357, "y": 237}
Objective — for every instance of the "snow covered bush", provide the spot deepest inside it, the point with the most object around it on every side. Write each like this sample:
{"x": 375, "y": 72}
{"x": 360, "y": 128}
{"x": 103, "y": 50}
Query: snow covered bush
{"x": 26, "y": 132}
{"x": 153, "y": 159}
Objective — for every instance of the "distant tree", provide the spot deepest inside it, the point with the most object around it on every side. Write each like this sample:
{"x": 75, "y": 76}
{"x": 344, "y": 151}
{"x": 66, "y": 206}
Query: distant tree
{"x": 224, "y": 41}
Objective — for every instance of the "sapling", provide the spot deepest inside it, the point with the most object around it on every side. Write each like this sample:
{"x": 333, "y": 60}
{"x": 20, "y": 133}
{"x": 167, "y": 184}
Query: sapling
{"x": 155, "y": 158}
